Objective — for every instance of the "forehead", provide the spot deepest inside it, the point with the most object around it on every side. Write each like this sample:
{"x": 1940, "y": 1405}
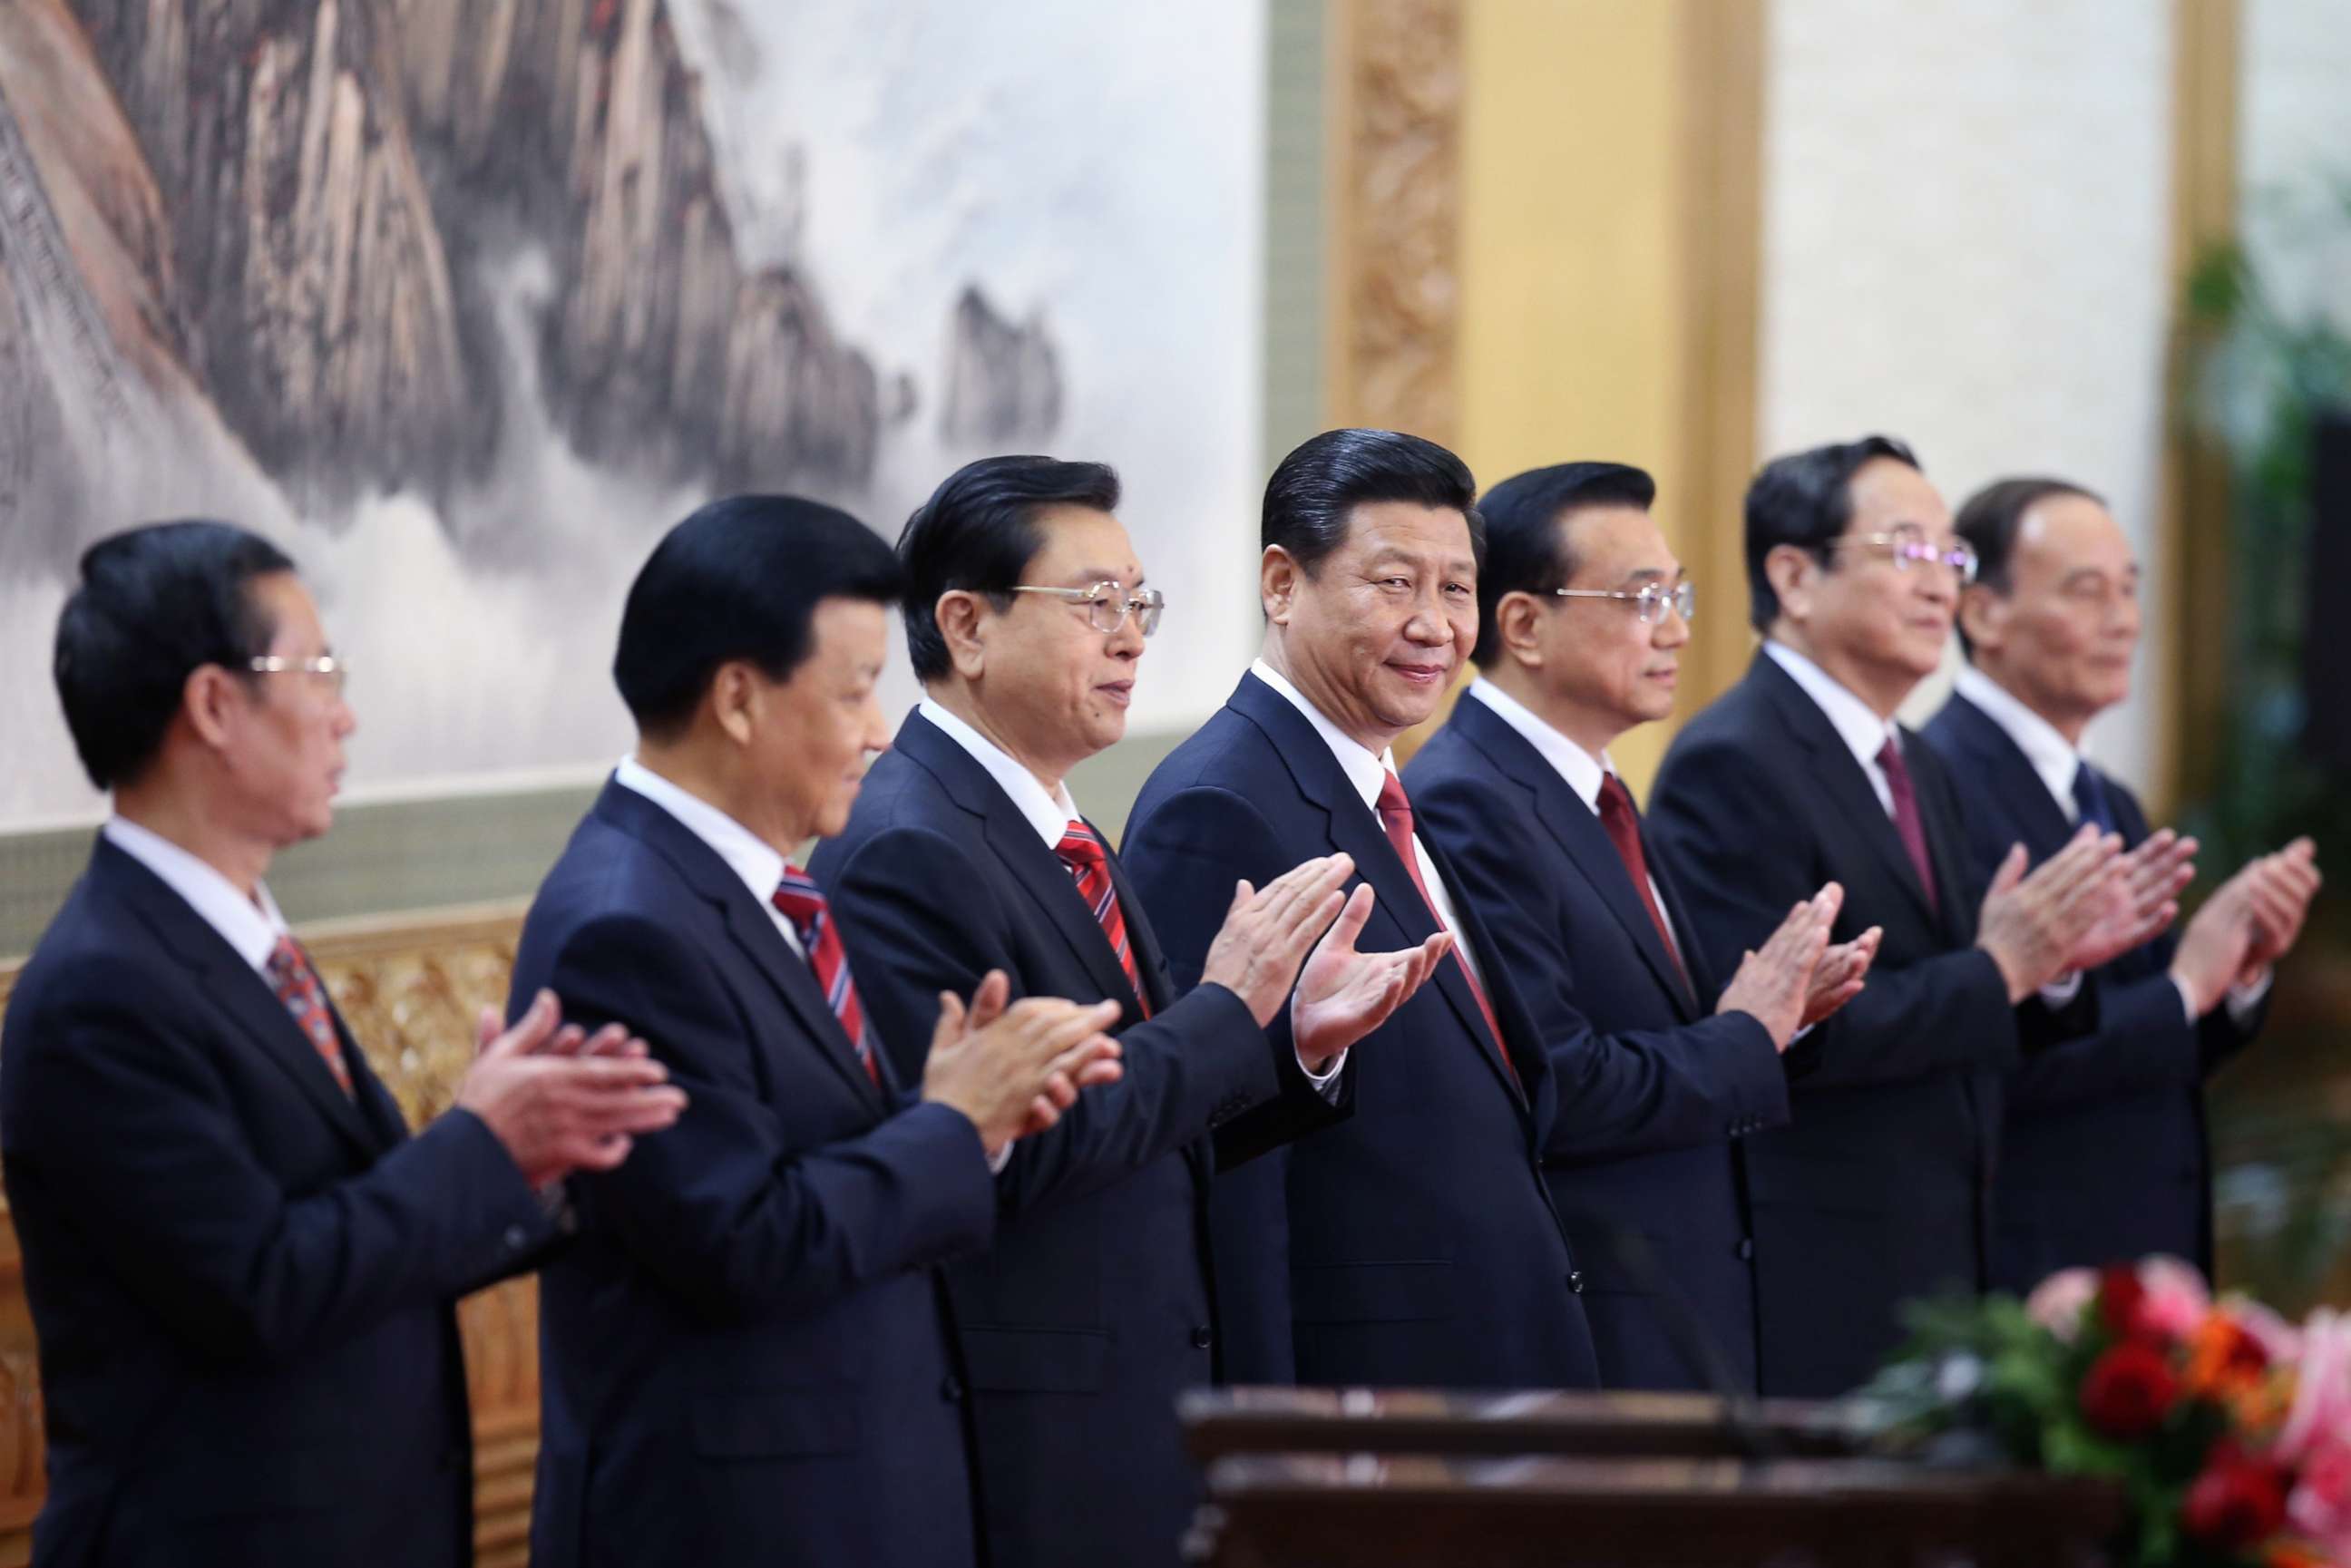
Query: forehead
{"x": 1885, "y": 491}
{"x": 847, "y": 633}
{"x": 1083, "y": 540}
{"x": 281, "y": 597}
{"x": 1614, "y": 541}
{"x": 1406, "y": 529}
{"x": 2071, "y": 532}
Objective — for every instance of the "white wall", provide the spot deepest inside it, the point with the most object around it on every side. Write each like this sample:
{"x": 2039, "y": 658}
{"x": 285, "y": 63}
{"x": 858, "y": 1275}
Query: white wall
{"x": 2295, "y": 127}
{"x": 1966, "y": 214}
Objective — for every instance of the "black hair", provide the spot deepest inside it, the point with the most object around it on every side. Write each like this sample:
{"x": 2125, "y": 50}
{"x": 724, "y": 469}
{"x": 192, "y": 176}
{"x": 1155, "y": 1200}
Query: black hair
{"x": 1990, "y": 523}
{"x": 740, "y": 579}
{"x": 1310, "y": 500}
{"x": 978, "y": 533}
{"x": 1527, "y": 551}
{"x": 155, "y": 604}
{"x": 1805, "y": 499}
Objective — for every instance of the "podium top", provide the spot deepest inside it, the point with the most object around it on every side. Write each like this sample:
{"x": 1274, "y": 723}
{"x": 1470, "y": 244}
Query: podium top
{"x": 1227, "y": 1421}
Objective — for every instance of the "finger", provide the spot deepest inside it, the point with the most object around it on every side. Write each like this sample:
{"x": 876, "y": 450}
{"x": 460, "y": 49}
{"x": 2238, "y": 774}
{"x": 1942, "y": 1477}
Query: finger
{"x": 599, "y": 1155}
{"x": 613, "y": 1040}
{"x": 1830, "y": 901}
{"x": 1348, "y": 925}
{"x": 1060, "y": 1090}
{"x": 1042, "y": 1117}
{"x": 987, "y": 1002}
{"x": 949, "y": 1027}
{"x": 1099, "y": 1070}
{"x": 530, "y": 1030}
{"x": 565, "y": 1041}
{"x": 2010, "y": 872}
{"x": 486, "y": 1028}
{"x": 1241, "y": 896}
{"x": 1307, "y": 923}
{"x": 1071, "y": 1062}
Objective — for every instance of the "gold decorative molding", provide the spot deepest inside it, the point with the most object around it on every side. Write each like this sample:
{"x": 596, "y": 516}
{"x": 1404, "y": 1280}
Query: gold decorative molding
{"x": 1395, "y": 141}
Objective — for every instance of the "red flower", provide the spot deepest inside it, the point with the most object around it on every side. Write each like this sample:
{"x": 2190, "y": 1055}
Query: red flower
{"x": 2128, "y": 1391}
{"x": 2121, "y": 1298}
{"x": 2235, "y": 1503}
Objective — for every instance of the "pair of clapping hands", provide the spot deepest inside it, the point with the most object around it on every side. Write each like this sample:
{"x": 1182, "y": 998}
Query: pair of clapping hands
{"x": 1014, "y": 1069}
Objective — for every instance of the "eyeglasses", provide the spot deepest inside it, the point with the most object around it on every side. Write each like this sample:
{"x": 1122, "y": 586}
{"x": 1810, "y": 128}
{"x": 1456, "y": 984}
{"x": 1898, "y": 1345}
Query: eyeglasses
{"x": 1652, "y": 598}
{"x": 1910, "y": 550}
{"x": 1108, "y": 604}
{"x": 326, "y": 668}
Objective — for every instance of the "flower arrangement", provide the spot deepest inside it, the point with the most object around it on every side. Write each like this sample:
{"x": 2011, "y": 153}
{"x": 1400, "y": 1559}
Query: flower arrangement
{"x": 2229, "y": 1427}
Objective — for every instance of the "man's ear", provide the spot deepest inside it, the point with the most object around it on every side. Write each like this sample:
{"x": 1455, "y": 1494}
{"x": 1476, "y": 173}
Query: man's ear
{"x": 1278, "y": 576}
{"x": 1984, "y": 616}
{"x": 734, "y": 699}
{"x": 209, "y": 699}
{"x": 1792, "y": 571}
{"x": 961, "y": 618}
{"x": 1518, "y": 618}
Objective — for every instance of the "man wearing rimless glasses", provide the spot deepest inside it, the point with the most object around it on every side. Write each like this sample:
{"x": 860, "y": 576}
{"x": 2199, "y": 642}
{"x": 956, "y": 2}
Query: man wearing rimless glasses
{"x": 1665, "y": 1070}
{"x": 1879, "y": 1190}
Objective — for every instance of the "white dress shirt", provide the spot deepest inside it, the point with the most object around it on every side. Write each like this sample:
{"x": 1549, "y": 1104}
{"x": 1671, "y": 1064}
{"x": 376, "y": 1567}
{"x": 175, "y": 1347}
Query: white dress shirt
{"x": 747, "y": 854}
{"x": 1050, "y": 815}
{"x": 251, "y": 926}
{"x": 1582, "y": 772}
{"x": 2057, "y": 761}
{"x": 1367, "y": 772}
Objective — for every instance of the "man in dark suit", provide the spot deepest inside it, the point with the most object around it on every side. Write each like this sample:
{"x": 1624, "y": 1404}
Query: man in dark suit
{"x": 1415, "y": 1242}
{"x": 1582, "y": 612}
{"x": 1026, "y": 619}
{"x": 241, "y": 1268}
{"x": 748, "y": 1353}
{"x": 2103, "y": 1152}
{"x": 1879, "y": 1190}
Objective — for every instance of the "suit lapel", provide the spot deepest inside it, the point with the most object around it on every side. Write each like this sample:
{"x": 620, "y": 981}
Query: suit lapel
{"x": 241, "y": 992}
{"x": 2010, "y": 775}
{"x": 1947, "y": 839}
{"x": 1575, "y": 828}
{"x": 1354, "y": 829}
{"x": 751, "y": 928}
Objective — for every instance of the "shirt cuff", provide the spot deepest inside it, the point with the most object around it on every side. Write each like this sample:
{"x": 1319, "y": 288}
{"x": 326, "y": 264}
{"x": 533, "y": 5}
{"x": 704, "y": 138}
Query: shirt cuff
{"x": 2061, "y": 991}
{"x": 2245, "y": 999}
{"x": 2187, "y": 1001}
{"x": 1000, "y": 1158}
{"x": 1326, "y": 1082}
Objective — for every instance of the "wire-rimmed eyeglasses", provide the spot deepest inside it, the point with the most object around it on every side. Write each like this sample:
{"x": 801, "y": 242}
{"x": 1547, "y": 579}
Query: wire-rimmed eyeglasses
{"x": 325, "y": 667}
{"x": 1910, "y": 550}
{"x": 1108, "y": 604}
{"x": 1652, "y": 599}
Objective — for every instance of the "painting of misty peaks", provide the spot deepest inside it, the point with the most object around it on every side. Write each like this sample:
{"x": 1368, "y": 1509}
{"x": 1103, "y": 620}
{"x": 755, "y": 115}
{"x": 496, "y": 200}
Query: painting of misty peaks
{"x": 465, "y": 301}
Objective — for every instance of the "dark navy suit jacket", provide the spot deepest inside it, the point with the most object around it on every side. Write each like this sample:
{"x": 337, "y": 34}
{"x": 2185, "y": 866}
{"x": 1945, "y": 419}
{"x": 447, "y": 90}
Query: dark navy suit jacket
{"x": 1654, "y": 1094}
{"x": 1879, "y": 1191}
{"x": 1415, "y": 1243}
{"x": 748, "y": 1353}
{"x": 2103, "y": 1152}
{"x": 242, "y": 1278}
{"x": 1092, "y": 1311}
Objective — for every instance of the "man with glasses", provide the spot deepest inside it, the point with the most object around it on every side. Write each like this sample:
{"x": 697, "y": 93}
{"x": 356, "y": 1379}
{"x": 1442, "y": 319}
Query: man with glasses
{"x": 242, "y": 1269}
{"x": 1879, "y": 1190}
{"x": 1026, "y": 621}
{"x": 1664, "y": 1072}
{"x": 2102, "y": 1149}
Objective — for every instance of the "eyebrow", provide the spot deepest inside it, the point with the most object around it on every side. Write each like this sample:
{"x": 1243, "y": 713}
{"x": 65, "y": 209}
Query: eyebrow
{"x": 2082, "y": 573}
{"x": 1087, "y": 576}
{"x": 1459, "y": 564}
{"x": 1652, "y": 574}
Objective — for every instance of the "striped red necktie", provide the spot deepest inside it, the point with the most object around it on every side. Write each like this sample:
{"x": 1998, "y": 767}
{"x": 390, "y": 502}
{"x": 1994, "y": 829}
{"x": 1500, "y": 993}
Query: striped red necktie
{"x": 1396, "y": 819}
{"x": 1082, "y": 850}
{"x": 299, "y": 987}
{"x": 803, "y": 903}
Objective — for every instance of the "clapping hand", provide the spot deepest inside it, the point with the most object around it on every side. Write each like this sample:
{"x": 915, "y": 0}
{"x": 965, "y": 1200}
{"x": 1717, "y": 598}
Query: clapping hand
{"x": 1344, "y": 995}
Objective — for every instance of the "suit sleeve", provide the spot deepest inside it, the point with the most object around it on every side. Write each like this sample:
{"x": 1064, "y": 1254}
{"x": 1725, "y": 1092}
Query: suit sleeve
{"x": 1202, "y": 1057}
{"x": 1734, "y": 845}
{"x": 1622, "y": 1093}
{"x": 140, "y": 1137}
{"x": 732, "y": 1217}
{"x": 2146, "y": 1042}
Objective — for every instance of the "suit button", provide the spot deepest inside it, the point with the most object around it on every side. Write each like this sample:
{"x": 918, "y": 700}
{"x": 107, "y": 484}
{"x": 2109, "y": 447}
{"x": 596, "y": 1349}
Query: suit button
{"x": 1201, "y": 1337}
{"x": 1747, "y": 1248}
{"x": 1575, "y": 1282}
{"x": 517, "y": 1239}
{"x": 950, "y": 1389}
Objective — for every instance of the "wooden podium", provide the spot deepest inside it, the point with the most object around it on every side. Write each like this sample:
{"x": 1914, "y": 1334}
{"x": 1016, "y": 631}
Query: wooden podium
{"x": 1348, "y": 1478}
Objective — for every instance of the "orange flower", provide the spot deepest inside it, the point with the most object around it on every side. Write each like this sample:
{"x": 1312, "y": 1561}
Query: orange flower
{"x": 2224, "y": 1362}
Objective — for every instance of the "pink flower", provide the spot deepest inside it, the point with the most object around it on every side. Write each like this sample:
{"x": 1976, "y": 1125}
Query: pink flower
{"x": 2322, "y": 1396}
{"x": 2176, "y": 1299}
{"x": 2320, "y": 1506}
{"x": 2058, "y": 1302}
{"x": 2279, "y": 1338}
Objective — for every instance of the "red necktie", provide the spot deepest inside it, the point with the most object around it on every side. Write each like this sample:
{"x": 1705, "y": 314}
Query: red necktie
{"x": 1396, "y": 817}
{"x": 1906, "y": 820}
{"x": 298, "y": 985}
{"x": 1623, "y": 826}
{"x": 1082, "y": 850}
{"x": 804, "y": 905}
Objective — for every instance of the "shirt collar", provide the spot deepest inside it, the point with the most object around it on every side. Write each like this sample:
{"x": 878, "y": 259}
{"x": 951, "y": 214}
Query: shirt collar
{"x": 2053, "y": 756}
{"x": 1856, "y": 722}
{"x": 1366, "y": 773}
{"x": 748, "y": 854}
{"x": 251, "y": 926}
{"x": 1050, "y": 815}
{"x": 1585, "y": 773}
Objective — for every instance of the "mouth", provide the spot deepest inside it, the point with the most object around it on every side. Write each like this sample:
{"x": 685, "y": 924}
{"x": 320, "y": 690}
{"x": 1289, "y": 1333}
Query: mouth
{"x": 1666, "y": 675}
{"x": 1422, "y": 675}
{"x": 1118, "y": 693}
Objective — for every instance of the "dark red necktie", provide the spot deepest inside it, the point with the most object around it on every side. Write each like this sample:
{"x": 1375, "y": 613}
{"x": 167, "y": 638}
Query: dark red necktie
{"x": 803, "y": 903}
{"x": 1906, "y": 820}
{"x": 1395, "y": 818}
{"x": 1082, "y": 850}
{"x": 299, "y": 987}
{"x": 1623, "y": 826}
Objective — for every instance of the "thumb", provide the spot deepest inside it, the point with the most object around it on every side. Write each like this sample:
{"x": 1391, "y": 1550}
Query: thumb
{"x": 2011, "y": 870}
{"x": 1242, "y": 894}
{"x": 530, "y": 1030}
{"x": 950, "y": 1025}
{"x": 487, "y": 1028}
{"x": 987, "y": 1002}
{"x": 1340, "y": 937}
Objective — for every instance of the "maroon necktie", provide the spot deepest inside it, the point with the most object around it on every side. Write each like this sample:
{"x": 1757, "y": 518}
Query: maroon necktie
{"x": 1623, "y": 826}
{"x": 803, "y": 903}
{"x": 1082, "y": 850}
{"x": 298, "y": 985}
{"x": 1906, "y": 820}
{"x": 1395, "y": 818}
